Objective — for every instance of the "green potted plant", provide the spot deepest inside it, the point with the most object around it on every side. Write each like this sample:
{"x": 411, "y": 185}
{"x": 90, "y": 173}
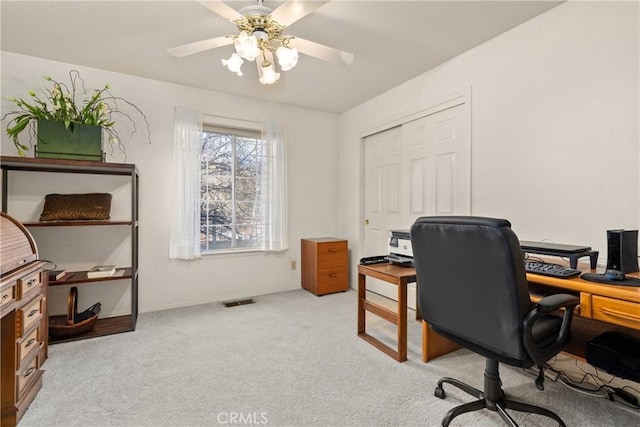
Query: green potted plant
{"x": 68, "y": 121}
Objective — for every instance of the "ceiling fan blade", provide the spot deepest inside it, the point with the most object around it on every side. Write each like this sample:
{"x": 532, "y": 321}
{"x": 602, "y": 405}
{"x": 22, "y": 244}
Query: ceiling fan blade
{"x": 201, "y": 46}
{"x": 222, "y": 9}
{"x": 292, "y": 10}
{"x": 321, "y": 51}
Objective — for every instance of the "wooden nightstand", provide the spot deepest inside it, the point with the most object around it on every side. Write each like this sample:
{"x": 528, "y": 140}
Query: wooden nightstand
{"x": 325, "y": 265}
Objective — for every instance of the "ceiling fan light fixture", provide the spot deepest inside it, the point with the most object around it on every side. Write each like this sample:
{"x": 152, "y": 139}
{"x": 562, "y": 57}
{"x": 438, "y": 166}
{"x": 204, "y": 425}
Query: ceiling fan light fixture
{"x": 247, "y": 46}
{"x": 287, "y": 57}
{"x": 261, "y": 37}
{"x": 234, "y": 63}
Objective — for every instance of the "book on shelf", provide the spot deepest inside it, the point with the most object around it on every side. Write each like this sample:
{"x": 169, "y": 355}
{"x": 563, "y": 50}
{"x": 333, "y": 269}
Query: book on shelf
{"x": 101, "y": 271}
{"x": 55, "y": 275}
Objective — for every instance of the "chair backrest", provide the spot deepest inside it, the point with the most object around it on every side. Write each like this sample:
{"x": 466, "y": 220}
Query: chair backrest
{"x": 472, "y": 284}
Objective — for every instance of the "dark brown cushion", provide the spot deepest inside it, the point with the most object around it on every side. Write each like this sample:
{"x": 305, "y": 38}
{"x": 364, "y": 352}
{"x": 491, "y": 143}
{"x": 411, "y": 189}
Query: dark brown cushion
{"x": 69, "y": 207}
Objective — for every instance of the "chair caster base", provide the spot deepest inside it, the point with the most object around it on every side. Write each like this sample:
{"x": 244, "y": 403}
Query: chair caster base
{"x": 491, "y": 398}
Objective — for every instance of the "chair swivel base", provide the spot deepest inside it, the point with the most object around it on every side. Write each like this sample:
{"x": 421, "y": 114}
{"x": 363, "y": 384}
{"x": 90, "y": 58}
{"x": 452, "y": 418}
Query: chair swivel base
{"x": 492, "y": 398}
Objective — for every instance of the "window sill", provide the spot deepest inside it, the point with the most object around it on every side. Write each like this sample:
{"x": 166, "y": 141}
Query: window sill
{"x": 232, "y": 251}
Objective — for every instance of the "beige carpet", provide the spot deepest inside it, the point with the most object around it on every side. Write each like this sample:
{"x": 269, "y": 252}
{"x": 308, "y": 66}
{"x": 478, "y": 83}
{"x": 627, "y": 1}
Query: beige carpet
{"x": 290, "y": 359}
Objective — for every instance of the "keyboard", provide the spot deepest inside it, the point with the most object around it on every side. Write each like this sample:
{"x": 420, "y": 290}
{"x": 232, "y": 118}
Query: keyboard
{"x": 548, "y": 269}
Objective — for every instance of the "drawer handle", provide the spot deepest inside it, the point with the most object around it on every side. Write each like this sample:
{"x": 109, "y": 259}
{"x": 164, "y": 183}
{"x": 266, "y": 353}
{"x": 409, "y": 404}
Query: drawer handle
{"x": 333, "y": 274}
{"x": 31, "y": 282}
{"x": 621, "y": 314}
{"x": 4, "y": 297}
{"x": 33, "y": 312}
{"x": 31, "y": 341}
{"x": 333, "y": 249}
{"x": 29, "y": 371}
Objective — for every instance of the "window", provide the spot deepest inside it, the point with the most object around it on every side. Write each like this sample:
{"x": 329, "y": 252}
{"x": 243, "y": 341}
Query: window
{"x": 230, "y": 188}
{"x": 232, "y": 194}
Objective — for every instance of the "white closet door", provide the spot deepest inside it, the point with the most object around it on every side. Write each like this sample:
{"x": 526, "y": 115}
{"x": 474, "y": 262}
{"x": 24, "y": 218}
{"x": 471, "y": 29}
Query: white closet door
{"x": 437, "y": 156}
{"x": 421, "y": 168}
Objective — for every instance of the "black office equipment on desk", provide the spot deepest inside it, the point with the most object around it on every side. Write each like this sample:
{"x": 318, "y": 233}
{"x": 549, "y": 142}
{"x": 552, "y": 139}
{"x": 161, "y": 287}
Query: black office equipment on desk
{"x": 549, "y": 269}
{"x": 573, "y": 252}
{"x": 616, "y": 353}
{"x": 622, "y": 246}
{"x": 377, "y": 259}
{"x": 601, "y": 278}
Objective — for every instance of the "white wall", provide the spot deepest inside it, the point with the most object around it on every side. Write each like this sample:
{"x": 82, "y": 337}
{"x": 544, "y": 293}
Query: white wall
{"x": 554, "y": 109}
{"x": 555, "y": 125}
{"x": 164, "y": 283}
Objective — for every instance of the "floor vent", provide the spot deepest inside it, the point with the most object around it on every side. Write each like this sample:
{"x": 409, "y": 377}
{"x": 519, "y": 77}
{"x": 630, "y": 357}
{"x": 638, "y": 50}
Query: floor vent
{"x": 237, "y": 303}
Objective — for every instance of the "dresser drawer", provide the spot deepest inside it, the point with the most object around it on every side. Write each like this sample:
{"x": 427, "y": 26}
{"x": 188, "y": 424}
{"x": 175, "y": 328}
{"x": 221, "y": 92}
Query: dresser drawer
{"x": 333, "y": 280}
{"x": 31, "y": 283}
{"x": 29, "y": 315}
{"x": 27, "y": 344}
{"x": 26, "y": 376}
{"x": 623, "y": 313}
{"x": 8, "y": 295}
{"x": 332, "y": 254}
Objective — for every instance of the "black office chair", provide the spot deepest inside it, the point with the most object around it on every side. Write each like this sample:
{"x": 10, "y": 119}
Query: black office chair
{"x": 472, "y": 289}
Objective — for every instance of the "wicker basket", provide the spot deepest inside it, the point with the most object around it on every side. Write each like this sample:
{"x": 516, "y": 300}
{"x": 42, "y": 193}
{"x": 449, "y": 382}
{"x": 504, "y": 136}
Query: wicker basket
{"x": 73, "y": 323}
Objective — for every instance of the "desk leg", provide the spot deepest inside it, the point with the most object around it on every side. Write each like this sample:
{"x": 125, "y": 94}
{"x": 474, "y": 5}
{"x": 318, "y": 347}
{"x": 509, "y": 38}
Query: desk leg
{"x": 418, "y": 314}
{"x": 435, "y": 345}
{"x": 362, "y": 293}
{"x": 402, "y": 320}
{"x": 425, "y": 341}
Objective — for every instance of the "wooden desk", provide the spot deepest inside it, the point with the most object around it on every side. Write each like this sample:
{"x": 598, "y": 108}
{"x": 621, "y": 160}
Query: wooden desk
{"x": 433, "y": 345}
{"x": 603, "y": 307}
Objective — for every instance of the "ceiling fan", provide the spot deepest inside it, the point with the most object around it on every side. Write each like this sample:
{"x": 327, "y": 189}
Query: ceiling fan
{"x": 261, "y": 35}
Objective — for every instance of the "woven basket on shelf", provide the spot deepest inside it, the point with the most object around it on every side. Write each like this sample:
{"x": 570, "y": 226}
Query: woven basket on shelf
{"x": 64, "y": 326}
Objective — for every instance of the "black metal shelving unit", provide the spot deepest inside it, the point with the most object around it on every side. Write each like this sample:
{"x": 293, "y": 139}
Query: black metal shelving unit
{"x": 108, "y": 325}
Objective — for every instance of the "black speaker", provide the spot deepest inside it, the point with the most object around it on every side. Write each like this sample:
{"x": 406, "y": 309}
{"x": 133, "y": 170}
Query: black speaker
{"x": 622, "y": 246}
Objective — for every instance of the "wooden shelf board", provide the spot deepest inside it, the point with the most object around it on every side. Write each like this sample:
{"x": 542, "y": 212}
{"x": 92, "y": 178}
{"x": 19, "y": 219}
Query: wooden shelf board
{"x": 66, "y": 165}
{"x": 80, "y": 223}
{"x": 106, "y": 326}
{"x": 78, "y": 277}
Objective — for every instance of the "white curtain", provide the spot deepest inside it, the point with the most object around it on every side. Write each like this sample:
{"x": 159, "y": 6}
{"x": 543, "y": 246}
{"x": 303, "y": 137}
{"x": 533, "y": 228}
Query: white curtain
{"x": 274, "y": 187}
{"x": 184, "y": 241}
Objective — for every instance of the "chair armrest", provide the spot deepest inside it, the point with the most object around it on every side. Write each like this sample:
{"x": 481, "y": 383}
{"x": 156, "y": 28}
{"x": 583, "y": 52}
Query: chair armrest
{"x": 556, "y": 301}
{"x": 542, "y": 309}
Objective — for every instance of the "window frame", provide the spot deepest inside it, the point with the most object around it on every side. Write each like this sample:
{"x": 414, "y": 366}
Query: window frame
{"x": 234, "y": 131}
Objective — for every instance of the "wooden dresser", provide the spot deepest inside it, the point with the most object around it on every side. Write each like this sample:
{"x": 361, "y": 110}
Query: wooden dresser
{"x": 325, "y": 265}
{"x": 23, "y": 306}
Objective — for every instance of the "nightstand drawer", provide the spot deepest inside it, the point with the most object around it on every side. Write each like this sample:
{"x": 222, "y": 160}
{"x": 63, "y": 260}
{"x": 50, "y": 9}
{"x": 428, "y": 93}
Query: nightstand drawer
{"x": 29, "y": 315}
{"x": 332, "y": 254}
{"x": 616, "y": 311}
{"x": 333, "y": 280}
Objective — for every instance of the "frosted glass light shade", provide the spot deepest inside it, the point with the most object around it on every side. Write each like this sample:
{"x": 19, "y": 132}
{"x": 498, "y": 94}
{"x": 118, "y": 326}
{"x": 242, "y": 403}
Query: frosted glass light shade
{"x": 287, "y": 57}
{"x": 247, "y": 46}
{"x": 269, "y": 75}
{"x": 234, "y": 63}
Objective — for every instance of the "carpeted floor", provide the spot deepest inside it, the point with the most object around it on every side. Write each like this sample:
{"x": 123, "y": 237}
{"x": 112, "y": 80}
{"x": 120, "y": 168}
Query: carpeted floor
{"x": 290, "y": 359}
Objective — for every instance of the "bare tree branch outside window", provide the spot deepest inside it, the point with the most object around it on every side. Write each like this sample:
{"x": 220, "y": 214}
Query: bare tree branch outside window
{"x": 230, "y": 195}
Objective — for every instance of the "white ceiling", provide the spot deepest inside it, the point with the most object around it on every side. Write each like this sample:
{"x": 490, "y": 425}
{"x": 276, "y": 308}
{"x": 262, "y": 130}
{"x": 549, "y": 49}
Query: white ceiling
{"x": 393, "y": 41}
